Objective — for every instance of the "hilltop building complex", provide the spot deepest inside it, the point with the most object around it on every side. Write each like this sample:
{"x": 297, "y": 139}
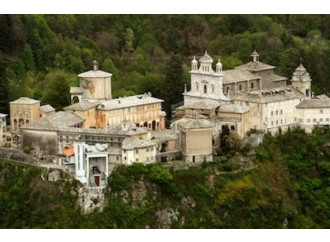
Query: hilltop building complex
{"x": 97, "y": 132}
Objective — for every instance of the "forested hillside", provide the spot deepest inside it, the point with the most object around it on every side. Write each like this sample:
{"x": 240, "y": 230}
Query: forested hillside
{"x": 288, "y": 189}
{"x": 40, "y": 53}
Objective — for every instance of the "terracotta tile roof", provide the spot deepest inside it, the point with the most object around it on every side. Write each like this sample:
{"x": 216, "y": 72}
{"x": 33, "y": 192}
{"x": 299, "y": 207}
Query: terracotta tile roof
{"x": 68, "y": 151}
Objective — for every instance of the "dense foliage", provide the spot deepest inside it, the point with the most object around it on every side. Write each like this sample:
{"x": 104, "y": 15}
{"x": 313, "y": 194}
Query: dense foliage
{"x": 139, "y": 52}
{"x": 289, "y": 189}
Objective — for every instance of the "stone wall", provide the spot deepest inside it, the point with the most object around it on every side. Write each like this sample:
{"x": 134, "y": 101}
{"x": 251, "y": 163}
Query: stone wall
{"x": 16, "y": 155}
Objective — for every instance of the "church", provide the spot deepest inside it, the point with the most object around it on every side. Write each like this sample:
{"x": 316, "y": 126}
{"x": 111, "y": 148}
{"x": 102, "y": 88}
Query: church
{"x": 250, "y": 97}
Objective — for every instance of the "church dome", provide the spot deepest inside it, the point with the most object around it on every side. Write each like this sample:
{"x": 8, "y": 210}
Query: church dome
{"x": 206, "y": 58}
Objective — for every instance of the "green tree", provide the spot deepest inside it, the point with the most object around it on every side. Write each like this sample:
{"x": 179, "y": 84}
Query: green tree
{"x": 57, "y": 93}
{"x": 173, "y": 86}
{"x": 4, "y": 85}
{"x": 28, "y": 59}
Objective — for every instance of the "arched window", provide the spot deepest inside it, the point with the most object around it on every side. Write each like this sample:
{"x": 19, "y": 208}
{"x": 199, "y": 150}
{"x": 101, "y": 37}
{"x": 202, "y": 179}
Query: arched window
{"x": 240, "y": 87}
{"x": 227, "y": 89}
{"x": 252, "y": 85}
{"x": 197, "y": 86}
{"x": 205, "y": 89}
{"x": 75, "y": 99}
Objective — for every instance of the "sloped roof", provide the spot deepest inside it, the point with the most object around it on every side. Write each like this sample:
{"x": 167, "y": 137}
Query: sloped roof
{"x": 131, "y": 143}
{"x": 322, "y": 96}
{"x": 314, "y": 103}
{"x": 68, "y": 151}
{"x": 163, "y": 135}
{"x": 194, "y": 123}
{"x": 255, "y": 66}
{"x": 234, "y": 108}
{"x": 237, "y": 75}
{"x": 55, "y": 121}
{"x": 201, "y": 105}
{"x": 47, "y": 108}
{"x": 82, "y": 106}
{"x": 129, "y": 102}
{"x": 95, "y": 74}
{"x": 77, "y": 90}
{"x": 269, "y": 95}
{"x": 274, "y": 78}
{"x": 25, "y": 100}
{"x": 2, "y": 115}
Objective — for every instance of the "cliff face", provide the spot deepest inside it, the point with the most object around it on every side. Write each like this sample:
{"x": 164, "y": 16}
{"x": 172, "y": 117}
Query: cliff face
{"x": 288, "y": 188}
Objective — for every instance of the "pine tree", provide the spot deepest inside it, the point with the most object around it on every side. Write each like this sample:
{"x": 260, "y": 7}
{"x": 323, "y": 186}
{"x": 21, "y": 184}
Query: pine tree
{"x": 173, "y": 85}
{"x": 4, "y": 85}
{"x": 28, "y": 58}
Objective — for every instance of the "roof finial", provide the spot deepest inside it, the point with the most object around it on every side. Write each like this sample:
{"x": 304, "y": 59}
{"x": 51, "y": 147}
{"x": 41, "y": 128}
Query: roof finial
{"x": 205, "y": 52}
{"x": 95, "y": 65}
{"x": 301, "y": 60}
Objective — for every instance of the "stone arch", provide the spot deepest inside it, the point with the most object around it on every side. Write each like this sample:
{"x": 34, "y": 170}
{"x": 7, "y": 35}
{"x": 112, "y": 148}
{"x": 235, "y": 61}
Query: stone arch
{"x": 153, "y": 125}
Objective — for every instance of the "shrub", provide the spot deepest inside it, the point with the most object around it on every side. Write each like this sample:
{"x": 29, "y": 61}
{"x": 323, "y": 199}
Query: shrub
{"x": 160, "y": 175}
{"x": 27, "y": 149}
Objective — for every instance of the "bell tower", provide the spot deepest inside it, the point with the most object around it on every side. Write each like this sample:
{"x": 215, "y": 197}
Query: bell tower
{"x": 301, "y": 80}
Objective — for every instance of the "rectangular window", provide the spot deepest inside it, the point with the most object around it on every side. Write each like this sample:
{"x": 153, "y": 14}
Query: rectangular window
{"x": 276, "y": 112}
{"x": 321, "y": 110}
{"x": 137, "y": 160}
{"x": 327, "y": 119}
{"x": 272, "y": 123}
{"x": 272, "y": 113}
{"x": 308, "y": 120}
{"x": 300, "y": 120}
{"x": 314, "y": 120}
{"x": 136, "y": 151}
{"x": 321, "y": 119}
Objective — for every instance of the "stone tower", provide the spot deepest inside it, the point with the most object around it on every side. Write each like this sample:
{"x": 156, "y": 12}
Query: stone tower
{"x": 302, "y": 81}
{"x": 95, "y": 84}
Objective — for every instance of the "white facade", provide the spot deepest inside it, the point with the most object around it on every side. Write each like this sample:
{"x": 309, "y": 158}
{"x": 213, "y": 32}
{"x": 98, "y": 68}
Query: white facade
{"x": 205, "y": 82}
{"x": 91, "y": 164}
{"x": 142, "y": 151}
{"x": 313, "y": 112}
{"x": 281, "y": 113}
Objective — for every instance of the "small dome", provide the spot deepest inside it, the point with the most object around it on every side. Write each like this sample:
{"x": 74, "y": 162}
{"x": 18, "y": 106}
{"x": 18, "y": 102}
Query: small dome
{"x": 206, "y": 58}
{"x": 219, "y": 63}
{"x": 194, "y": 61}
